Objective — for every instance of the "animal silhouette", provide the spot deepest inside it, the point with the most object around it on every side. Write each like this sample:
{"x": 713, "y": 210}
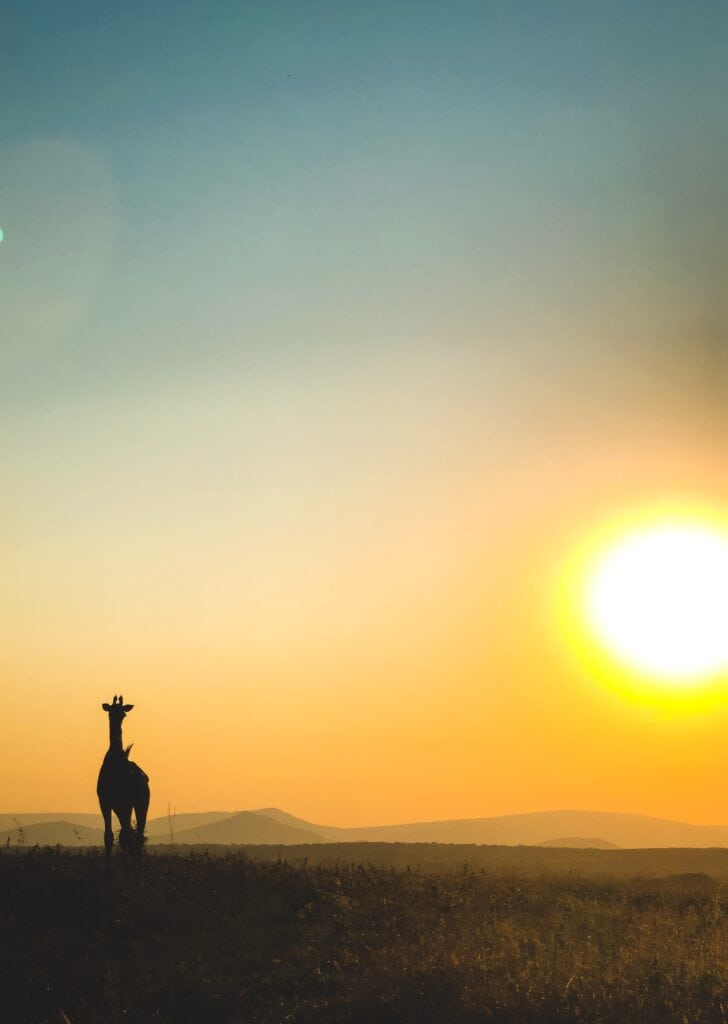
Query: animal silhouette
{"x": 122, "y": 787}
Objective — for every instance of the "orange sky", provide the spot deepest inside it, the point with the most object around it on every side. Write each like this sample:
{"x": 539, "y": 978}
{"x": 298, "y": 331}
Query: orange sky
{"x": 416, "y": 674}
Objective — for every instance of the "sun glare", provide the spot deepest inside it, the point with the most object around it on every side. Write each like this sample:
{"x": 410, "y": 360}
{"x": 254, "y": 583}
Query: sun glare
{"x": 657, "y": 599}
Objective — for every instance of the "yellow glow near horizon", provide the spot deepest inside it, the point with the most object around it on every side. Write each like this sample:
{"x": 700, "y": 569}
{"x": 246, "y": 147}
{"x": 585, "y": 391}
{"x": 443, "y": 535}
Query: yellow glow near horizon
{"x": 645, "y": 602}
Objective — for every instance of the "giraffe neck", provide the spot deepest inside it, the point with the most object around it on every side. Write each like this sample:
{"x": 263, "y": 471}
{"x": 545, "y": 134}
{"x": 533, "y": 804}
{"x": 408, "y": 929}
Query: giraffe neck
{"x": 115, "y": 735}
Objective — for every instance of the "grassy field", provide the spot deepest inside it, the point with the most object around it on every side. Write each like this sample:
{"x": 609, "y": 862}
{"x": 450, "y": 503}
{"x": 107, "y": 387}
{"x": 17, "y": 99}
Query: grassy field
{"x": 520, "y": 860}
{"x": 513, "y": 935}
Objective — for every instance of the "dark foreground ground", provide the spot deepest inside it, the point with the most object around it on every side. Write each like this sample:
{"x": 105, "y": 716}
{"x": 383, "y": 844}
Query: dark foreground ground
{"x": 514, "y": 935}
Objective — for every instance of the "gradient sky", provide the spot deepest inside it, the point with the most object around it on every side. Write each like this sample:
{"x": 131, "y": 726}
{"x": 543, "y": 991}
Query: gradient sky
{"x": 327, "y": 330}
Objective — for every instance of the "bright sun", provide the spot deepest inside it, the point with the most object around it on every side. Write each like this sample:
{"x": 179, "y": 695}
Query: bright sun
{"x": 657, "y": 599}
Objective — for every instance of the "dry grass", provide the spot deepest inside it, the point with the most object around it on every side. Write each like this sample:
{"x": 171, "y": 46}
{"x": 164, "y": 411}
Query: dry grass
{"x": 192, "y": 938}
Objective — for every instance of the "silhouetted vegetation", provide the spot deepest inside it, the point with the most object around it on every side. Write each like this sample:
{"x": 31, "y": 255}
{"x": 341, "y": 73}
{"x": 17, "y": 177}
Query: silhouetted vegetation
{"x": 198, "y": 938}
{"x": 528, "y": 860}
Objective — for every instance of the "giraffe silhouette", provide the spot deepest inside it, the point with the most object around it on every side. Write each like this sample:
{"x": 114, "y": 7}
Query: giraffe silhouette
{"x": 122, "y": 787}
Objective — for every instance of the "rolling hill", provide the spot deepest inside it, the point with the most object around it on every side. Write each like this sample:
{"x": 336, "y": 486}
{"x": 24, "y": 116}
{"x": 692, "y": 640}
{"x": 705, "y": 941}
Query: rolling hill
{"x": 244, "y": 827}
{"x": 23, "y": 819}
{"x": 635, "y": 831}
{"x": 52, "y": 833}
{"x": 270, "y": 825}
{"x": 171, "y": 825}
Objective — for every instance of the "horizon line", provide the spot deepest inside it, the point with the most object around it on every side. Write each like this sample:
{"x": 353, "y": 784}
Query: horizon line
{"x": 394, "y": 824}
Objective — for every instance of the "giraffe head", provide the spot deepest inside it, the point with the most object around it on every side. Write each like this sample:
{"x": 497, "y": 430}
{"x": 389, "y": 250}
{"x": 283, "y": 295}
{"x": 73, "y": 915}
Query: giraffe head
{"x": 117, "y": 710}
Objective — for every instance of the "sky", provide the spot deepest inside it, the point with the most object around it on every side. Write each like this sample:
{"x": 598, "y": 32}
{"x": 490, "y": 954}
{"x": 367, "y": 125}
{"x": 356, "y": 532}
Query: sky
{"x": 328, "y": 332}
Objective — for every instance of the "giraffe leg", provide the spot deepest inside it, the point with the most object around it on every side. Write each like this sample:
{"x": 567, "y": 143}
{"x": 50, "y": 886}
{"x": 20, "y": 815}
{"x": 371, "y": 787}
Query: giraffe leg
{"x": 108, "y": 832}
{"x": 141, "y": 806}
{"x": 141, "y": 821}
{"x": 126, "y": 836}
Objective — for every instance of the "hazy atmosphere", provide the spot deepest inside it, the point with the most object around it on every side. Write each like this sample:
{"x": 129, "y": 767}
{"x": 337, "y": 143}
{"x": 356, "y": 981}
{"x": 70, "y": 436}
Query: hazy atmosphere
{"x": 331, "y": 335}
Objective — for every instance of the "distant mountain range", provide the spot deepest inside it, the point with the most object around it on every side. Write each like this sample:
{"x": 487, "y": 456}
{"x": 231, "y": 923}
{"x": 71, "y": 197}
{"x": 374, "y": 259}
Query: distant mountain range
{"x": 52, "y": 833}
{"x": 274, "y": 827}
{"x": 244, "y": 827}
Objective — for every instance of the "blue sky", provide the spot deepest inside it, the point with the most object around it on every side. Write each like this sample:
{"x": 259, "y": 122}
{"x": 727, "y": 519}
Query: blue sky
{"x": 283, "y": 177}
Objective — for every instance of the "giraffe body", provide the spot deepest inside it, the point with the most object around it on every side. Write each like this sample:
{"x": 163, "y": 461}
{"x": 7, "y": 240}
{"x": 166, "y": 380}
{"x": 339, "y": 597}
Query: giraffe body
{"x": 122, "y": 787}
